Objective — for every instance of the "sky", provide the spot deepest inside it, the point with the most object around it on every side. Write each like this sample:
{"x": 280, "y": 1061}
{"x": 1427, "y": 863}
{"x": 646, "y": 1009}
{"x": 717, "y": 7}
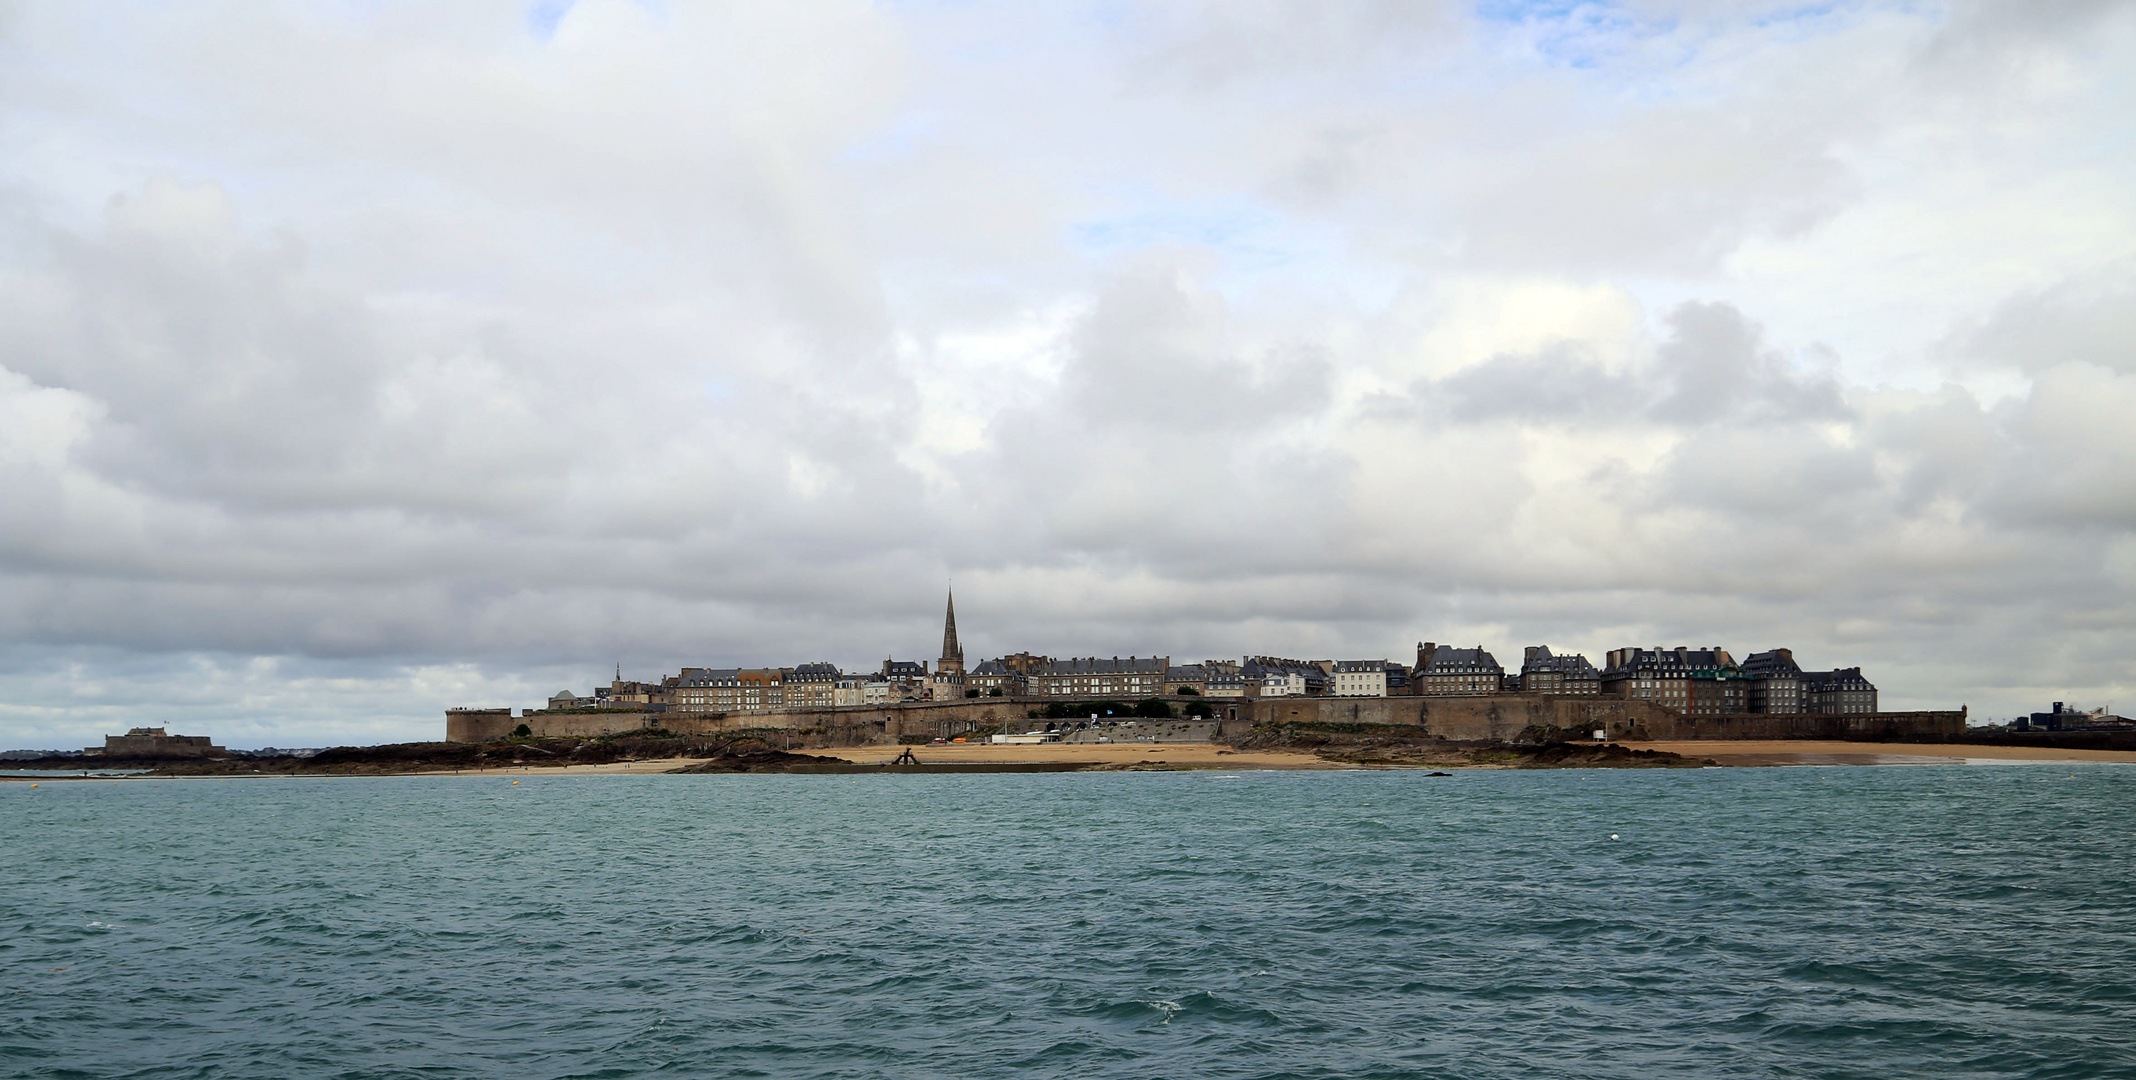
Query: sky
{"x": 364, "y": 359}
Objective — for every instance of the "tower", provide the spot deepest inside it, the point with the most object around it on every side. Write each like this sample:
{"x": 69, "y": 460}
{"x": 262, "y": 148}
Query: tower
{"x": 952, "y": 660}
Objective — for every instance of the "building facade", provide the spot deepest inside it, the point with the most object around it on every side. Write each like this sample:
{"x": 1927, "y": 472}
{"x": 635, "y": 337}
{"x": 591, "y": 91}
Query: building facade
{"x": 1841, "y": 690}
{"x": 812, "y": 686}
{"x": 1275, "y": 676}
{"x": 1717, "y": 685}
{"x": 1358, "y": 678}
{"x": 1775, "y": 682}
{"x": 1657, "y": 674}
{"x": 1191, "y": 679}
{"x": 994, "y": 678}
{"x": 1098, "y": 677}
{"x": 906, "y": 680}
{"x": 730, "y": 689}
{"x": 1545, "y": 672}
{"x": 1445, "y": 671}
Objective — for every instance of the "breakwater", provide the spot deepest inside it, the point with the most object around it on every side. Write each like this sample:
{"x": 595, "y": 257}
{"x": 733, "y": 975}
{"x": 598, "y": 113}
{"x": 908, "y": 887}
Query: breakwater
{"x": 1507, "y": 717}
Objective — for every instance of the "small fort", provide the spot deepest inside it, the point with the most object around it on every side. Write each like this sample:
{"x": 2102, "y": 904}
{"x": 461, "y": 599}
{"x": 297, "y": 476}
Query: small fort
{"x": 153, "y": 742}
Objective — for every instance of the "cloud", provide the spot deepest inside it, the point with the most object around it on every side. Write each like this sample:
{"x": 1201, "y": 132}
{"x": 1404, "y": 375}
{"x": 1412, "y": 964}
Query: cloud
{"x": 359, "y": 362}
{"x": 1713, "y": 368}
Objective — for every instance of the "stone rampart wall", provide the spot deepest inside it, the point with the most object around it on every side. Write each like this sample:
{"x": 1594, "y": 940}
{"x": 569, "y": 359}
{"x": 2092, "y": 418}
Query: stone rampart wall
{"x": 1495, "y": 716}
{"x": 1506, "y": 716}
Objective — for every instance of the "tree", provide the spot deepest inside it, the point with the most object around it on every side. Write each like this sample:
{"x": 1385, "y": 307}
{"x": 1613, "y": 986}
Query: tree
{"x": 1186, "y": 691}
{"x": 1153, "y": 707}
{"x": 993, "y": 691}
{"x": 522, "y": 732}
{"x": 974, "y": 692}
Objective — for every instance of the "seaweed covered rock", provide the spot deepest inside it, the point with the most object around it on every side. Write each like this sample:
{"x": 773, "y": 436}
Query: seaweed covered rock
{"x": 753, "y": 755}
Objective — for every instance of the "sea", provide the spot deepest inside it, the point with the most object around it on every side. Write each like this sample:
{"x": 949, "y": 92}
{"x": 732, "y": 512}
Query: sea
{"x": 1939, "y": 921}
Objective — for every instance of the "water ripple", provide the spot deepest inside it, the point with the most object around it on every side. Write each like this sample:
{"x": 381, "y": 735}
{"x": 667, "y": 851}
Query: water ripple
{"x": 1923, "y": 922}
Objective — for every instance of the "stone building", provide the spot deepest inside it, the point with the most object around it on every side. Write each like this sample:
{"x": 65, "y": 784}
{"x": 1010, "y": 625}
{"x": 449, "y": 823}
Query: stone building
{"x": 1545, "y": 672}
{"x": 631, "y": 693}
{"x": 729, "y": 689}
{"x": 1275, "y": 676}
{"x": 995, "y": 675}
{"x": 851, "y": 689}
{"x": 1775, "y": 682}
{"x": 1841, "y": 690}
{"x": 1187, "y": 679}
{"x": 1098, "y": 677}
{"x": 1659, "y": 675}
{"x": 1718, "y": 686}
{"x": 1397, "y": 679}
{"x": 1445, "y": 671}
{"x": 813, "y": 686}
{"x": 876, "y": 689}
{"x": 1358, "y": 678}
{"x": 905, "y": 680}
{"x": 1704, "y": 682}
{"x": 1225, "y": 681}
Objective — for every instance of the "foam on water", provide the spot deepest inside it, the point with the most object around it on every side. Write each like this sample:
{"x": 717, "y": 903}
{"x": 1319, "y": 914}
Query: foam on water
{"x": 1925, "y": 922}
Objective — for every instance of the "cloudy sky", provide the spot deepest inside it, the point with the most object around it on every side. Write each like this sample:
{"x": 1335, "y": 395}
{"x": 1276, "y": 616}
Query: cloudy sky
{"x": 363, "y": 359}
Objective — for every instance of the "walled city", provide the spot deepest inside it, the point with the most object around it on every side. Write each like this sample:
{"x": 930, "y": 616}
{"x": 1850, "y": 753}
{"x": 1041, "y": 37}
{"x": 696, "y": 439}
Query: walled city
{"x": 1458, "y": 691}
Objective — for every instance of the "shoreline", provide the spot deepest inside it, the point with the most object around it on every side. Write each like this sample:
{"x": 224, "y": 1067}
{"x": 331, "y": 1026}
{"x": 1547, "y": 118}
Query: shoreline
{"x": 966, "y": 759}
{"x": 1743, "y": 753}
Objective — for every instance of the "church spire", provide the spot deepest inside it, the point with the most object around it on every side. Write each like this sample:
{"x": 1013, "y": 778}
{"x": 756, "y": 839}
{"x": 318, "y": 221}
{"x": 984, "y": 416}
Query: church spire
{"x": 952, "y": 653}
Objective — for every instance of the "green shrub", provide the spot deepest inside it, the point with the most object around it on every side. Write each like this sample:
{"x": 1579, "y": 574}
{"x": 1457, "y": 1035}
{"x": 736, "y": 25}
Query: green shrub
{"x": 522, "y": 732}
{"x": 1077, "y": 710}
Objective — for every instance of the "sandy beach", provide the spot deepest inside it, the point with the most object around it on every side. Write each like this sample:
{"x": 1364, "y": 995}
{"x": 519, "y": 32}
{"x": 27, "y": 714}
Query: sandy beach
{"x": 1193, "y": 755}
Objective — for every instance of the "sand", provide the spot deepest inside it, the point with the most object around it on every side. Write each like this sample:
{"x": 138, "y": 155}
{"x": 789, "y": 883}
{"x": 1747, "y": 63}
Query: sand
{"x": 1194, "y": 755}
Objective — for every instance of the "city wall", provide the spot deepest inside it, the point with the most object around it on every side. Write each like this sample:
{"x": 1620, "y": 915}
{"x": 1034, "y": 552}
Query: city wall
{"x": 1508, "y": 716}
{"x": 1497, "y": 716}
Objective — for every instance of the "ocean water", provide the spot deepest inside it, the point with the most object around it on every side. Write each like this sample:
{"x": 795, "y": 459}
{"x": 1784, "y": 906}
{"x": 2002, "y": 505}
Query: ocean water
{"x": 1807, "y": 922}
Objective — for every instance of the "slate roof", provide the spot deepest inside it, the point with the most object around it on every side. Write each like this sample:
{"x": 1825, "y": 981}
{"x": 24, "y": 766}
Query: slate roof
{"x": 703, "y": 676}
{"x": 1571, "y": 665}
{"x": 1098, "y": 665}
{"x": 1447, "y": 660}
{"x": 1774, "y": 664}
{"x": 1836, "y": 679}
{"x": 1657, "y": 660}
